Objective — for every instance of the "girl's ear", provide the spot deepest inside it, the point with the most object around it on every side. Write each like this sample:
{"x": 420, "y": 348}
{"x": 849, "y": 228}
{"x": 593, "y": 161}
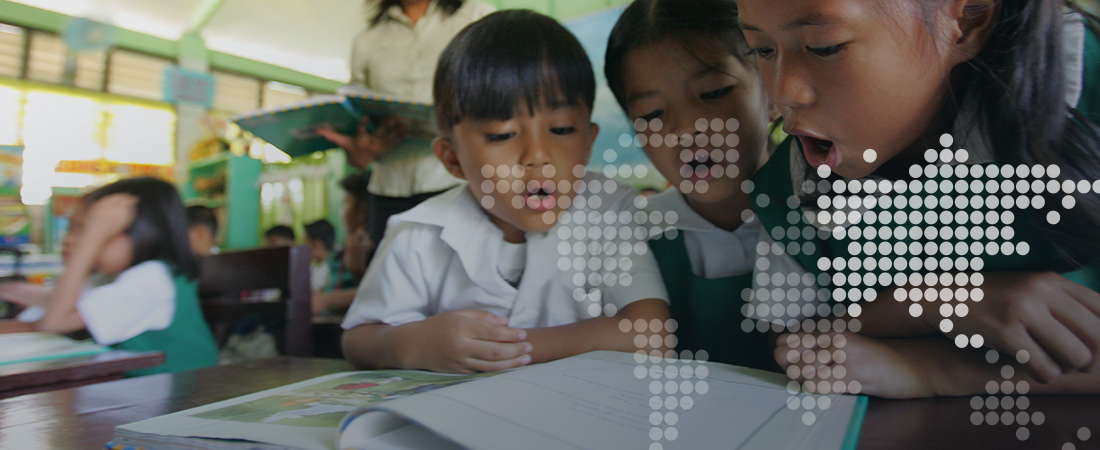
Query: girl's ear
{"x": 444, "y": 149}
{"x": 972, "y": 23}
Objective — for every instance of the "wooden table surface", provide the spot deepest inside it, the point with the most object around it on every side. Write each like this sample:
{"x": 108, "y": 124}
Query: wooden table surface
{"x": 39, "y": 376}
{"x": 85, "y": 417}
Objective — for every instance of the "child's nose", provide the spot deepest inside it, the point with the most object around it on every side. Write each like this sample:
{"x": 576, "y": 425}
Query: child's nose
{"x": 536, "y": 153}
{"x": 790, "y": 86}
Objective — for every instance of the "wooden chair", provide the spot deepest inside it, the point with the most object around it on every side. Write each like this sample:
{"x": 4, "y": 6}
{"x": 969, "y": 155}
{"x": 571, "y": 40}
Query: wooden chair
{"x": 232, "y": 287}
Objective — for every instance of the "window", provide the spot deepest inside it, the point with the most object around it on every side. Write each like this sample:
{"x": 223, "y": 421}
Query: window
{"x": 235, "y": 93}
{"x": 137, "y": 75}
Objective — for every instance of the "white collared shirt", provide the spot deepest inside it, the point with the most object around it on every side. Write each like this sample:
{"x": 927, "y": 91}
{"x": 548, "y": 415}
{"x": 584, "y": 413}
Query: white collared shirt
{"x": 714, "y": 252}
{"x": 117, "y": 308}
{"x": 398, "y": 58}
{"x": 442, "y": 256}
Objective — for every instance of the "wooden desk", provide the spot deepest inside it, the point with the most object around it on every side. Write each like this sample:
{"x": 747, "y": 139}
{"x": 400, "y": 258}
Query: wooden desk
{"x": 85, "y": 417}
{"x": 31, "y": 377}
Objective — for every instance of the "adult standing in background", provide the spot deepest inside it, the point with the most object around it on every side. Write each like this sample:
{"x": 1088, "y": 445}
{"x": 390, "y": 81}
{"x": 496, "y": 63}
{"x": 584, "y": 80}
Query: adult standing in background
{"x": 397, "y": 55}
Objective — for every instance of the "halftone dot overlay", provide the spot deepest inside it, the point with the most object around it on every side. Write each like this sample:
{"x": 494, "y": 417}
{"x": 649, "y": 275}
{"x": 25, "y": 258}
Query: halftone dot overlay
{"x": 928, "y": 236}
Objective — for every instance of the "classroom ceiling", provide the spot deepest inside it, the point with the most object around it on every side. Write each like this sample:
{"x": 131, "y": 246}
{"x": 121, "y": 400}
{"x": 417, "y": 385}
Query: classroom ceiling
{"x": 309, "y": 36}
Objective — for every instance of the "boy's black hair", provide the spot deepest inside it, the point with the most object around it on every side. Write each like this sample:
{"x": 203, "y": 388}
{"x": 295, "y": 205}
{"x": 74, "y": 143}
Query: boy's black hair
{"x": 199, "y": 215}
{"x": 448, "y": 6}
{"x": 646, "y": 22}
{"x": 355, "y": 185}
{"x": 506, "y": 59}
{"x": 282, "y": 231}
{"x": 159, "y": 230}
{"x": 322, "y": 230}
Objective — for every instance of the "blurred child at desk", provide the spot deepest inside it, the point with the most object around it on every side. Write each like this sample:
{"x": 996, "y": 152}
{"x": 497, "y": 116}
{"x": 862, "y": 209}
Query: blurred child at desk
{"x": 129, "y": 278}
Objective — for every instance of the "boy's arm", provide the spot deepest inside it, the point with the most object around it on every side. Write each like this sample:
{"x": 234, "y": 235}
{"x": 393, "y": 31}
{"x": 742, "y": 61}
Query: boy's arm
{"x": 601, "y": 333}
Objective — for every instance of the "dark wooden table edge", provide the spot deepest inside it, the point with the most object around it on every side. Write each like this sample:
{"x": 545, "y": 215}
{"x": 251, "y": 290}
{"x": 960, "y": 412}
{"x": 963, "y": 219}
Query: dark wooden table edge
{"x": 93, "y": 368}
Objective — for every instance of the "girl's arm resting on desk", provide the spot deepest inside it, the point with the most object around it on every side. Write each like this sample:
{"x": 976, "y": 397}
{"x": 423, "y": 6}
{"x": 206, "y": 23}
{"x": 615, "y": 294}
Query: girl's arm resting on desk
{"x": 600, "y": 333}
{"x": 912, "y": 368}
{"x": 465, "y": 341}
{"x": 1053, "y": 319}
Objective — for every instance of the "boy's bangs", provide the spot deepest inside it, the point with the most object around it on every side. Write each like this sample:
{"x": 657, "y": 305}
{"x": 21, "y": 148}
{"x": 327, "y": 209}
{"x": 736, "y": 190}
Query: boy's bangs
{"x": 499, "y": 89}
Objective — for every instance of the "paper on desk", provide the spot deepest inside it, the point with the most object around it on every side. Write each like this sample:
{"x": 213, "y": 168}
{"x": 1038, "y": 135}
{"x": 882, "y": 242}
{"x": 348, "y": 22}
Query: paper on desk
{"x": 41, "y": 346}
{"x": 596, "y": 401}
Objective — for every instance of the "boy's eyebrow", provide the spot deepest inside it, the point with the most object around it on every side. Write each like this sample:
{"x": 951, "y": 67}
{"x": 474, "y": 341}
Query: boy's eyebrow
{"x": 809, "y": 20}
{"x": 639, "y": 96}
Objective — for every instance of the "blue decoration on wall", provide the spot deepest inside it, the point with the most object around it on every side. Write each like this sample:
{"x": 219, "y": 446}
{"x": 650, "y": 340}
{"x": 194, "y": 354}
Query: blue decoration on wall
{"x": 593, "y": 30}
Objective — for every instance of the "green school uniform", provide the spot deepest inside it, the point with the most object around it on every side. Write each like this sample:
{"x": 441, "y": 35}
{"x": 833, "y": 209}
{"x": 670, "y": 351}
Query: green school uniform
{"x": 709, "y": 312}
{"x": 187, "y": 343}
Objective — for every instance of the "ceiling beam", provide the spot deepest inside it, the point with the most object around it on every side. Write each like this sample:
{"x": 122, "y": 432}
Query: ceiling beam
{"x": 202, "y": 15}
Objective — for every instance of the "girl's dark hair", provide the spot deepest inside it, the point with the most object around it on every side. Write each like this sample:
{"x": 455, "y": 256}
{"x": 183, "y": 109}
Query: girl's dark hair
{"x": 508, "y": 58}
{"x": 648, "y": 21}
{"x": 1016, "y": 80}
{"x": 448, "y": 6}
{"x": 159, "y": 231}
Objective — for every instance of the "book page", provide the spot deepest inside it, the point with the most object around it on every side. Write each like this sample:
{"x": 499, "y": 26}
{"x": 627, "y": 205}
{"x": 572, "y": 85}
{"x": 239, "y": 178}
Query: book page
{"x": 601, "y": 400}
{"x": 40, "y": 346}
{"x": 301, "y": 415}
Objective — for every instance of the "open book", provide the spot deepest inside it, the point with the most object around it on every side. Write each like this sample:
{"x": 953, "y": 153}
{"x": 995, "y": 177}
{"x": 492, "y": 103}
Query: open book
{"x": 42, "y": 346}
{"x": 293, "y": 128}
{"x": 599, "y": 400}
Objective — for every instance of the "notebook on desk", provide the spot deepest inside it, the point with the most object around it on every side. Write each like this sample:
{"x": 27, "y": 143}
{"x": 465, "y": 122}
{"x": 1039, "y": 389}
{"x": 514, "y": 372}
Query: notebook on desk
{"x": 41, "y": 346}
{"x": 598, "y": 400}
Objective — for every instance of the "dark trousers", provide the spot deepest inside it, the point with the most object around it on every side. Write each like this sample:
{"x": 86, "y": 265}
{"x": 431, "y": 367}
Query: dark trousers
{"x": 381, "y": 208}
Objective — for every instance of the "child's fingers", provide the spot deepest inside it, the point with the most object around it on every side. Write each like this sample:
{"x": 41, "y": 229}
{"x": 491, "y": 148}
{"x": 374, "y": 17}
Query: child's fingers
{"x": 1078, "y": 319}
{"x": 483, "y": 316}
{"x": 497, "y": 333}
{"x": 494, "y": 366}
{"x": 1060, "y": 343}
{"x": 497, "y": 351}
{"x": 1088, "y": 298}
{"x": 1035, "y": 360}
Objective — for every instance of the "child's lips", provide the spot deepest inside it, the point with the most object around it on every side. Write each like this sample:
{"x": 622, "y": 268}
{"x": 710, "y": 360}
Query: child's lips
{"x": 540, "y": 196}
{"x": 820, "y": 152}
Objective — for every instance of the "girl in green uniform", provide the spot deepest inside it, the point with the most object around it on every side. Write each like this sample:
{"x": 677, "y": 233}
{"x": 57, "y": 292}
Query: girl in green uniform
{"x": 866, "y": 88}
{"x": 129, "y": 277}
{"x": 680, "y": 71}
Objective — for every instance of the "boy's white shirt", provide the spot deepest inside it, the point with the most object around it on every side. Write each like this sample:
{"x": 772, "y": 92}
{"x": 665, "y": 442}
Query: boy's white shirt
{"x": 319, "y": 274}
{"x": 714, "y": 252}
{"x": 442, "y": 256}
{"x": 115, "y": 309}
{"x": 1073, "y": 34}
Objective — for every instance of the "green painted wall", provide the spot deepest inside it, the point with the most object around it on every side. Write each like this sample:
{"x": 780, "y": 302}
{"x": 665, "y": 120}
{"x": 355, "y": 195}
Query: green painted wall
{"x": 32, "y": 17}
{"x": 41, "y": 19}
{"x": 559, "y": 9}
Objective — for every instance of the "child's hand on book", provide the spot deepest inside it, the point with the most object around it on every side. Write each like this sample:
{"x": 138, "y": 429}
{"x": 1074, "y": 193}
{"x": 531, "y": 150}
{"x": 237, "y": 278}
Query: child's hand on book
{"x": 366, "y": 145}
{"x": 466, "y": 341}
{"x": 1054, "y": 320}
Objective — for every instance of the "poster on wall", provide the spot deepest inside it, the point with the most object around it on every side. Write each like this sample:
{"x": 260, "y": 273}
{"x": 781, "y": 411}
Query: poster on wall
{"x": 614, "y": 153}
{"x": 15, "y": 224}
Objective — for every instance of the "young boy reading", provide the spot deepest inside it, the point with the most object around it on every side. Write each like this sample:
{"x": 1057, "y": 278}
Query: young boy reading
{"x": 532, "y": 259}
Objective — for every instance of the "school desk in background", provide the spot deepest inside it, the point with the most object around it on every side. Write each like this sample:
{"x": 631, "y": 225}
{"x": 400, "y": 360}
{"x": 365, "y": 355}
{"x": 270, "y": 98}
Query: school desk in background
{"x": 293, "y": 128}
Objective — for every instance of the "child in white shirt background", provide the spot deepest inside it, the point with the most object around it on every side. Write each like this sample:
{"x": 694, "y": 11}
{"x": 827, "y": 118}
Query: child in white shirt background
{"x": 532, "y": 259}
